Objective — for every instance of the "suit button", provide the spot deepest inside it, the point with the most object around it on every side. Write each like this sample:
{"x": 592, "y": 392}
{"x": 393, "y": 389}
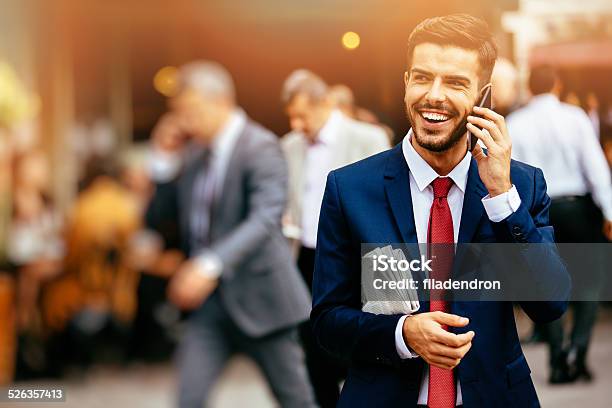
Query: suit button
{"x": 516, "y": 229}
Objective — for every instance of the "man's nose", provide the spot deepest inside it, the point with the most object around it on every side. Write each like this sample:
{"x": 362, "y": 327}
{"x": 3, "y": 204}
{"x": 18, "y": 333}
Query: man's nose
{"x": 436, "y": 92}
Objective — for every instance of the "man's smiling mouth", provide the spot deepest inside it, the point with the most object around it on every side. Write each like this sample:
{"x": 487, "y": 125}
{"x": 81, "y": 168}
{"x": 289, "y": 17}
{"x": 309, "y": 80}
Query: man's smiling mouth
{"x": 435, "y": 117}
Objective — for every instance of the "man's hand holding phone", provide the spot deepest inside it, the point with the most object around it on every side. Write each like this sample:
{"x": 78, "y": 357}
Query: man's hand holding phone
{"x": 493, "y": 167}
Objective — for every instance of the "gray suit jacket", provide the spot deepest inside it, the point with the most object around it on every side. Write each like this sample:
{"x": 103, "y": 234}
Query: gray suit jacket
{"x": 260, "y": 286}
{"x": 354, "y": 141}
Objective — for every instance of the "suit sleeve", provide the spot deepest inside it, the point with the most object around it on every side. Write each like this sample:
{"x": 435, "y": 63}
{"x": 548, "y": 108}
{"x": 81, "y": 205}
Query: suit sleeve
{"x": 543, "y": 271}
{"x": 266, "y": 187}
{"x": 339, "y": 325}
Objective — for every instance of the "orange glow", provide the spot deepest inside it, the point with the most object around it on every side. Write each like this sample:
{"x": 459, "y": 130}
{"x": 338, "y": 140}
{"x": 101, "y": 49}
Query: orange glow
{"x": 351, "y": 40}
{"x": 165, "y": 80}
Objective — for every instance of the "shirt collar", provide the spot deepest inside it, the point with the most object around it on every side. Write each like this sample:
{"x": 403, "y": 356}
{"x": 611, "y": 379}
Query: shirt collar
{"x": 226, "y": 137}
{"x": 422, "y": 172}
{"x": 329, "y": 130}
{"x": 544, "y": 99}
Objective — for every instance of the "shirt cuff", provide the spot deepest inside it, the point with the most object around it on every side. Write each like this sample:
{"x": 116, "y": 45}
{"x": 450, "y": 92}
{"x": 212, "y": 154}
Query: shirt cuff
{"x": 164, "y": 166}
{"x": 209, "y": 265}
{"x": 400, "y": 345}
{"x": 502, "y": 206}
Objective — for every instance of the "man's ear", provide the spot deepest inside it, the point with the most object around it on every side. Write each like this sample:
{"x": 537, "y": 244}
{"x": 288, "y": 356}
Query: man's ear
{"x": 406, "y": 78}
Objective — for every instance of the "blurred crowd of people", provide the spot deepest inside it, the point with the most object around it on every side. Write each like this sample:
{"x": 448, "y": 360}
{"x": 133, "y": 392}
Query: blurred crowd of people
{"x": 124, "y": 274}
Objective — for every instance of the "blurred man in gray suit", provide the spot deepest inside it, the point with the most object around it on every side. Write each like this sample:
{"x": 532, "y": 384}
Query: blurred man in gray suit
{"x": 239, "y": 278}
{"x": 322, "y": 139}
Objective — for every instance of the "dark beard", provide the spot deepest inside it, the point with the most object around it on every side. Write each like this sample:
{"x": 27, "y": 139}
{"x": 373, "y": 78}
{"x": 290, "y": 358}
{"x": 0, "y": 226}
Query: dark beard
{"x": 444, "y": 145}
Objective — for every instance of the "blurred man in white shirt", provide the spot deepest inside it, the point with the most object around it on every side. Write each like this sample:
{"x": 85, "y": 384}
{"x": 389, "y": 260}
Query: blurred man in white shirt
{"x": 322, "y": 139}
{"x": 559, "y": 139}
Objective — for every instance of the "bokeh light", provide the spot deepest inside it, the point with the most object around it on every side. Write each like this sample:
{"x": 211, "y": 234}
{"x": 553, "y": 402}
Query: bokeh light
{"x": 165, "y": 80}
{"x": 351, "y": 40}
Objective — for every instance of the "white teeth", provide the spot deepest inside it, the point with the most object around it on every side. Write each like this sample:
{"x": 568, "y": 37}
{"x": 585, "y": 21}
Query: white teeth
{"x": 434, "y": 116}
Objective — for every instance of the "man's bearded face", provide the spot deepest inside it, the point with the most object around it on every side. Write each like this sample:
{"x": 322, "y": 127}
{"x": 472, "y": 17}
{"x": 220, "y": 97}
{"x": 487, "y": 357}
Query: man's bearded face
{"x": 441, "y": 90}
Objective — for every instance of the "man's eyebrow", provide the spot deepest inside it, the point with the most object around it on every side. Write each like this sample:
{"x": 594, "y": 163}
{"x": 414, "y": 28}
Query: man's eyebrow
{"x": 458, "y": 78}
{"x": 446, "y": 77}
{"x": 420, "y": 71}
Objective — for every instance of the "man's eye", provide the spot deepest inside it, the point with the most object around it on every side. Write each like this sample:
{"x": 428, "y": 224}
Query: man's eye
{"x": 455, "y": 83}
{"x": 420, "y": 77}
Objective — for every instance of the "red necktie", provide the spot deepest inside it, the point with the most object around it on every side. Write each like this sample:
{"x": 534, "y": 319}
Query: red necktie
{"x": 442, "y": 390}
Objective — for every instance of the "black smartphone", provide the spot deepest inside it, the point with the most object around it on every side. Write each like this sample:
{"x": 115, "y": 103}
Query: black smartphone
{"x": 485, "y": 102}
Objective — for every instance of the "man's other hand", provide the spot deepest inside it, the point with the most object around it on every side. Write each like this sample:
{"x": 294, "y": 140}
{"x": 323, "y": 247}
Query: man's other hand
{"x": 425, "y": 335}
{"x": 189, "y": 287}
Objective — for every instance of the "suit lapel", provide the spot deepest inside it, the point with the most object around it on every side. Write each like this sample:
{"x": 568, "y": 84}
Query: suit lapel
{"x": 471, "y": 215}
{"x": 473, "y": 209}
{"x": 192, "y": 165}
{"x": 397, "y": 190}
{"x": 233, "y": 168}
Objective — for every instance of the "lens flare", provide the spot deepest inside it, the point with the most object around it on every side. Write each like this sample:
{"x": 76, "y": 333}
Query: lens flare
{"x": 351, "y": 40}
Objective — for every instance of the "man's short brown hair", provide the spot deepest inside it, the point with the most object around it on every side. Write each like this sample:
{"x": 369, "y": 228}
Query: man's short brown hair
{"x": 542, "y": 79}
{"x": 460, "y": 30}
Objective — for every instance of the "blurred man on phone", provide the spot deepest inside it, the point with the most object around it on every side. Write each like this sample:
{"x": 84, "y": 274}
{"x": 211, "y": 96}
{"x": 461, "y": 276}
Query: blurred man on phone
{"x": 239, "y": 278}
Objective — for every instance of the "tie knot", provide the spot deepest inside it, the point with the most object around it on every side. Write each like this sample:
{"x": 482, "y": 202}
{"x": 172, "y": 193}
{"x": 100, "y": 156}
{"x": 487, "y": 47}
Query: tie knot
{"x": 441, "y": 186}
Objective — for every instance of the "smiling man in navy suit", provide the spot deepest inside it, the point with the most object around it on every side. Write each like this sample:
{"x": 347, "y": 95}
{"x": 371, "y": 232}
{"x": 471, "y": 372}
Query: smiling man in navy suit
{"x": 431, "y": 189}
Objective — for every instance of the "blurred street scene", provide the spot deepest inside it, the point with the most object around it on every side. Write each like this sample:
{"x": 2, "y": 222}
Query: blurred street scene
{"x": 242, "y": 381}
{"x": 99, "y": 103}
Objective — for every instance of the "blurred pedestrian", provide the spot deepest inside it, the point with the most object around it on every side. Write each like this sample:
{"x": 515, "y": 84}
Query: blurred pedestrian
{"x": 342, "y": 98}
{"x": 323, "y": 138}
{"x": 35, "y": 243}
{"x": 90, "y": 307}
{"x": 559, "y": 138}
{"x": 504, "y": 87}
{"x": 239, "y": 278}
{"x": 35, "y": 249}
{"x": 592, "y": 110}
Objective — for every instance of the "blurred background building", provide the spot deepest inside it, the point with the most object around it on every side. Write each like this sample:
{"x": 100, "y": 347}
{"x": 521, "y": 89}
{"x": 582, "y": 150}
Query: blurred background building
{"x": 92, "y": 63}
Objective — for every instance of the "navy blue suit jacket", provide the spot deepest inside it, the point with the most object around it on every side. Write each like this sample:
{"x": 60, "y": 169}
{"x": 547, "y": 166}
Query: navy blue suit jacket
{"x": 369, "y": 202}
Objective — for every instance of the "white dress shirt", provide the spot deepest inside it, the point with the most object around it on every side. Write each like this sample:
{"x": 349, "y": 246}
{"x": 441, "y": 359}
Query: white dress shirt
{"x": 317, "y": 165}
{"x": 421, "y": 177}
{"x": 559, "y": 139}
